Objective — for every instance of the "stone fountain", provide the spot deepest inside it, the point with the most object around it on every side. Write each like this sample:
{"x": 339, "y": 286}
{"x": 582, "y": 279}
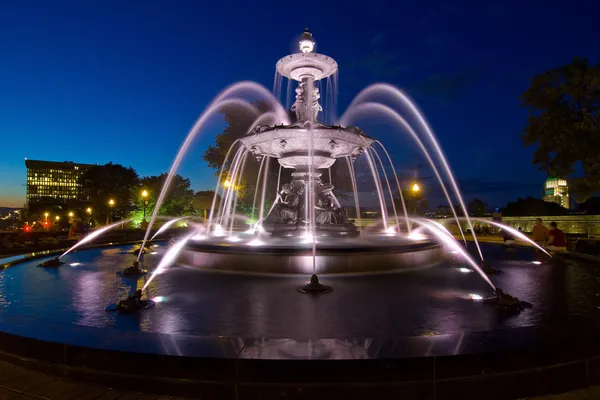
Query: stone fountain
{"x": 307, "y": 147}
{"x": 306, "y": 208}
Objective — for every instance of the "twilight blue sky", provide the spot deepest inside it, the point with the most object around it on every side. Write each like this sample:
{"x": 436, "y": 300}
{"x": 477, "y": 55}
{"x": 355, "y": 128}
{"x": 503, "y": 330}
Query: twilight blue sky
{"x": 123, "y": 81}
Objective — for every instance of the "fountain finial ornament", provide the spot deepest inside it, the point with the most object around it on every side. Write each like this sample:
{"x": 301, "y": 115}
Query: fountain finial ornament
{"x": 306, "y": 43}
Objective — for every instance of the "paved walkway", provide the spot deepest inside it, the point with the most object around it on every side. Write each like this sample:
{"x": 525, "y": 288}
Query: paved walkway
{"x": 592, "y": 393}
{"x": 17, "y": 383}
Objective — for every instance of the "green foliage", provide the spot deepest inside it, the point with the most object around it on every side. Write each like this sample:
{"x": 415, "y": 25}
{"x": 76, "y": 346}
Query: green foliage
{"x": 531, "y": 206}
{"x": 563, "y": 121}
{"x": 178, "y": 200}
{"x": 101, "y": 183}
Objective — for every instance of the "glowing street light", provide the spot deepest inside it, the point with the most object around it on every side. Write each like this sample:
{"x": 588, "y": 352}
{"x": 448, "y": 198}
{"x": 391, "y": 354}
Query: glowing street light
{"x": 71, "y": 214}
{"x": 415, "y": 189}
{"x": 89, "y": 210}
{"x": 111, "y": 205}
{"x": 227, "y": 183}
{"x": 145, "y": 197}
{"x": 46, "y": 215}
{"x": 57, "y": 218}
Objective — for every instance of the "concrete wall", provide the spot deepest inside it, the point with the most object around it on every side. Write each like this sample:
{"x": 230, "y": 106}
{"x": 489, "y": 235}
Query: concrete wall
{"x": 573, "y": 224}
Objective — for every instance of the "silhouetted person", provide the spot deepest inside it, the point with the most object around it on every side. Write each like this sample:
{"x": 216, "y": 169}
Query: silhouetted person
{"x": 556, "y": 239}
{"x": 540, "y": 232}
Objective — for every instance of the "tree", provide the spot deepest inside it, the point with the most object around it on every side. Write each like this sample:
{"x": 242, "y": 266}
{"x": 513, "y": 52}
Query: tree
{"x": 564, "y": 123}
{"x": 531, "y": 206}
{"x": 102, "y": 183}
{"x": 239, "y": 123}
{"x": 415, "y": 203}
{"x": 178, "y": 200}
{"x": 476, "y": 208}
{"x": 591, "y": 206}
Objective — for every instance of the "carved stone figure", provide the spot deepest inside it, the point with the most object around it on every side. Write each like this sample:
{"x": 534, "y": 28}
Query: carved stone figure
{"x": 325, "y": 207}
{"x": 285, "y": 210}
{"x": 315, "y": 106}
{"x": 299, "y": 106}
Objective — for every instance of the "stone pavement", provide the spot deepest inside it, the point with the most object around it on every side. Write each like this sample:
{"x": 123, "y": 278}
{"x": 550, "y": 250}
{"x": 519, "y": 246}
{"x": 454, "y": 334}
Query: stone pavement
{"x": 17, "y": 383}
{"x": 592, "y": 393}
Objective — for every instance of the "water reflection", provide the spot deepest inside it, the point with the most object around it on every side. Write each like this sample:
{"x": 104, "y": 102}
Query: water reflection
{"x": 434, "y": 301}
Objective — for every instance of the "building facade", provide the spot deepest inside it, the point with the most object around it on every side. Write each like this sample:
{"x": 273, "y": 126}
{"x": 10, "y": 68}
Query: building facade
{"x": 557, "y": 191}
{"x": 50, "y": 182}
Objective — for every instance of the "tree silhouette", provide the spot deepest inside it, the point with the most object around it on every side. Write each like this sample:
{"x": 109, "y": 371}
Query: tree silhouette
{"x": 564, "y": 123}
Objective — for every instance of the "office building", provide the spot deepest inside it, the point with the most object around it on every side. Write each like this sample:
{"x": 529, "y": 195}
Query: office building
{"x": 557, "y": 191}
{"x": 50, "y": 182}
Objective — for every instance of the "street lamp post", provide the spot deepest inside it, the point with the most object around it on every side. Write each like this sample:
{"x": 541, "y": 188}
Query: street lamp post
{"x": 46, "y": 223}
{"x": 89, "y": 211}
{"x": 415, "y": 191}
{"x": 111, "y": 210}
{"x": 145, "y": 197}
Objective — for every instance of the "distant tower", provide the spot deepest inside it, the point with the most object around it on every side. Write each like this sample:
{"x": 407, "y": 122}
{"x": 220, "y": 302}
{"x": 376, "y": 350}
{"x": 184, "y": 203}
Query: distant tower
{"x": 557, "y": 191}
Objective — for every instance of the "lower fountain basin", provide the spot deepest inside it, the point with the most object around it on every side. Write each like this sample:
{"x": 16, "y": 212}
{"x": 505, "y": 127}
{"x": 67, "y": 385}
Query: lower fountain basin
{"x": 352, "y": 256}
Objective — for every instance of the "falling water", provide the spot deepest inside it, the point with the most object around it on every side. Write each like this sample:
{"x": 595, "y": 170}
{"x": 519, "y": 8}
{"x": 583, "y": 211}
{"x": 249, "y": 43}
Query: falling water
{"x": 225, "y": 203}
{"x": 169, "y": 258}
{"x": 397, "y": 184}
{"x": 262, "y": 163}
{"x": 216, "y": 105}
{"x": 447, "y": 239}
{"x": 380, "y": 195}
{"x": 214, "y": 201}
{"x": 166, "y": 226}
{"x": 183, "y": 150}
{"x": 277, "y": 83}
{"x": 92, "y": 236}
{"x": 385, "y": 177}
{"x": 354, "y": 186}
{"x": 389, "y": 112}
{"x": 513, "y": 231}
{"x": 235, "y": 185}
{"x": 288, "y": 94}
{"x": 278, "y": 179}
{"x": 405, "y": 100}
{"x": 264, "y": 188}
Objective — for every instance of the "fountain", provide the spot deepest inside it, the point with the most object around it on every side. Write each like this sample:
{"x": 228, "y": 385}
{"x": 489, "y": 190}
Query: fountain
{"x": 307, "y": 227}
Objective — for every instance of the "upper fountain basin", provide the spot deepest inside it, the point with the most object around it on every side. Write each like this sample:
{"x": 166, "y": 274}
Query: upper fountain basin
{"x": 290, "y": 144}
{"x": 302, "y": 65}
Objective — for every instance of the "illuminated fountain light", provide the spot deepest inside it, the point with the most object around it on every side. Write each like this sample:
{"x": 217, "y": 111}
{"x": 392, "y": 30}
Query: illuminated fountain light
{"x": 74, "y": 264}
{"x": 158, "y": 299}
{"x": 475, "y": 296}
{"x": 307, "y": 238}
{"x": 198, "y": 238}
{"x": 453, "y": 251}
{"x": 233, "y": 239}
{"x": 391, "y": 231}
{"x": 465, "y": 270}
{"x": 154, "y": 245}
{"x": 415, "y": 235}
{"x": 219, "y": 232}
{"x": 255, "y": 242}
{"x": 537, "y": 262}
{"x": 154, "y": 252}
